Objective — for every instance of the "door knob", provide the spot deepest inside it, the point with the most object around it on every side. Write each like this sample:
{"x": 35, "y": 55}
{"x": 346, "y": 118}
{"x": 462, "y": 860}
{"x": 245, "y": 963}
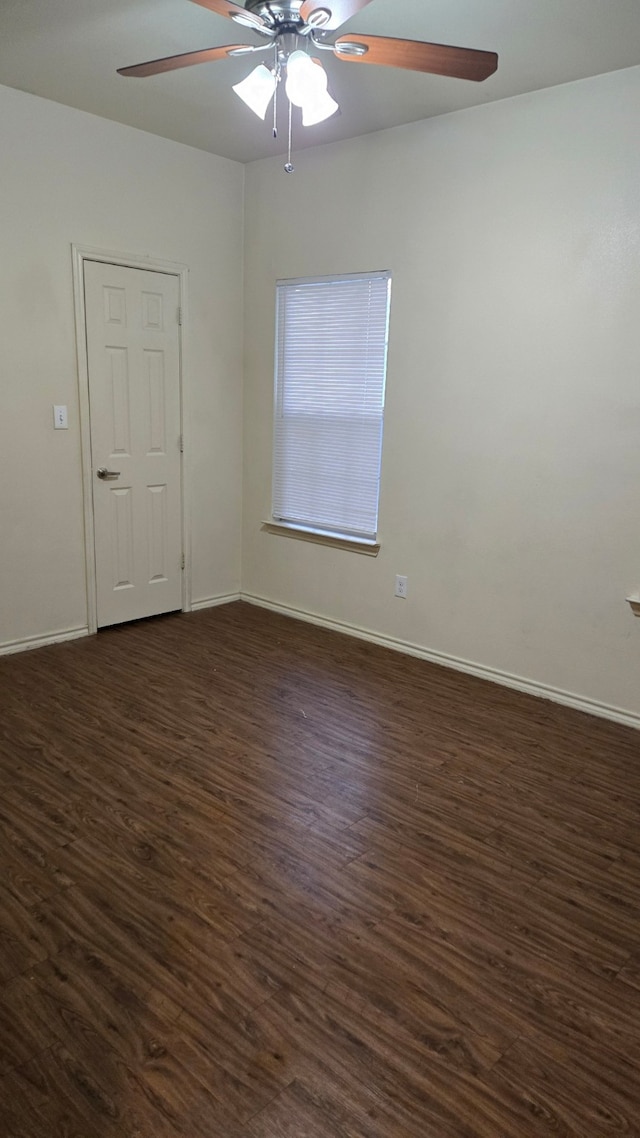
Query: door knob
{"x": 105, "y": 474}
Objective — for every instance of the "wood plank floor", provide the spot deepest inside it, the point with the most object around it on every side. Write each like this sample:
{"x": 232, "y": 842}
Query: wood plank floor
{"x": 259, "y": 880}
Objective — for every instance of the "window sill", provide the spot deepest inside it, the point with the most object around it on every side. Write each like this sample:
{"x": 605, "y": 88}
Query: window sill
{"x": 351, "y": 544}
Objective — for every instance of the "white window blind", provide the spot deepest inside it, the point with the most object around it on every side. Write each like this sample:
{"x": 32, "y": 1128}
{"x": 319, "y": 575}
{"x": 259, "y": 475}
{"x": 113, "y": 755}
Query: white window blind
{"x": 331, "y": 362}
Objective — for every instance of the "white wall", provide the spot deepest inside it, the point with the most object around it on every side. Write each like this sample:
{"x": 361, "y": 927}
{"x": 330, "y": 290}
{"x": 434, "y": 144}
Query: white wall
{"x": 511, "y": 468}
{"x": 71, "y": 177}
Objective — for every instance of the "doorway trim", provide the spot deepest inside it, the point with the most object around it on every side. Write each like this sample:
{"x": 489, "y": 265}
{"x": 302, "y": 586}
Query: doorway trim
{"x": 80, "y": 254}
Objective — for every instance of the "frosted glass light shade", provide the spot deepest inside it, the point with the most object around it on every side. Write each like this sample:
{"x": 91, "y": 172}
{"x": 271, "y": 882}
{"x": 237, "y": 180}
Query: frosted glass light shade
{"x": 257, "y": 90}
{"x": 317, "y": 110}
{"x": 307, "y": 88}
{"x": 301, "y": 81}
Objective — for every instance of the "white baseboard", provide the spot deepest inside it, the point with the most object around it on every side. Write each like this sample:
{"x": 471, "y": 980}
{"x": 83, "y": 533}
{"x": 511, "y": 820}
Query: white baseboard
{"x": 42, "y": 641}
{"x": 28, "y": 642}
{"x": 211, "y": 602}
{"x": 506, "y": 679}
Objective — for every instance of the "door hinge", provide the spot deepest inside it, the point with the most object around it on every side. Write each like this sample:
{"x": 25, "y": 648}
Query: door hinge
{"x": 181, "y": 444}
{"x": 182, "y": 562}
{"x": 180, "y": 314}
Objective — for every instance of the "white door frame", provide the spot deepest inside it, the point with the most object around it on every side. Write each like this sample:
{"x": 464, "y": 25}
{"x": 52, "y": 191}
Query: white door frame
{"x": 80, "y": 254}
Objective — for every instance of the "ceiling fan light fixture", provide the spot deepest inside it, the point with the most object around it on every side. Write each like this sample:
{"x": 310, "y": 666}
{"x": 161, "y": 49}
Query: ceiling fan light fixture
{"x": 306, "y": 88}
{"x": 301, "y": 81}
{"x": 257, "y": 90}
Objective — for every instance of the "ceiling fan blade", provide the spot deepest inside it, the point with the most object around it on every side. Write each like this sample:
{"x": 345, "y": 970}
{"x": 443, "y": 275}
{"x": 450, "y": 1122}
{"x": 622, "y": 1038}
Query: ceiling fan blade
{"x": 435, "y": 58}
{"x": 187, "y": 59}
{"x": 337, "y": 12}
{"x": 233, "y": 12}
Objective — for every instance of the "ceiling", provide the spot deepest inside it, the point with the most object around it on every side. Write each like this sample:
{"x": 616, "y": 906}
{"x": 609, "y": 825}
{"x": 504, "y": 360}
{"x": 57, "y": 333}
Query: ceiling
{"x": 69, "y": 50}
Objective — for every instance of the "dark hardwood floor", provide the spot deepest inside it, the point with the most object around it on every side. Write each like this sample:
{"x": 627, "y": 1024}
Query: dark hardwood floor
{"x": 263, "y": 881}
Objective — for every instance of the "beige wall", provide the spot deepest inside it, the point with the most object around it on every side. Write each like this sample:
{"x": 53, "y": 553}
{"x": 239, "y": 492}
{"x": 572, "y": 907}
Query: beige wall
{"x": 511, "y": 468}
{"x": 71, "y": 177}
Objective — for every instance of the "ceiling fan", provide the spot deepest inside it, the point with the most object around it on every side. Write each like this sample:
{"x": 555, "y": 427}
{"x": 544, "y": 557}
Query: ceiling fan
{"x": 293, "y": 29}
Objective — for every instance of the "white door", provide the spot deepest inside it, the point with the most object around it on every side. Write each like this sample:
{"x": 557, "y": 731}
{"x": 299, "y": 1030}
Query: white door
{"x": 134, "y": 398}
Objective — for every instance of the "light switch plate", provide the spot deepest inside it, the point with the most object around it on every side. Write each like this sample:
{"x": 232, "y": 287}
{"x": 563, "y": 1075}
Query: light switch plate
{"x": 60, "y": 418}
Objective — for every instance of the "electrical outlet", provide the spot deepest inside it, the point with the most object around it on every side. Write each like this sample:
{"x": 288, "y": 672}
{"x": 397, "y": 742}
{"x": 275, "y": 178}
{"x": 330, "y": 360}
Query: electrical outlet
{"x": 402, "y": 584}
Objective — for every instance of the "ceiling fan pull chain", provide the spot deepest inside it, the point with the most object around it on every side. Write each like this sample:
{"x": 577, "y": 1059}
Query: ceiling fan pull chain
{"x": 276, "y": 72}
{"x": 289, "y": 167}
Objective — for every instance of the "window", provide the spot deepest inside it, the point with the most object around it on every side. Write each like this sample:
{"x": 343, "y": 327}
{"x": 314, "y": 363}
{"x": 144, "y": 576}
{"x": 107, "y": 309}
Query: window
{"x": 331, "y": 362}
